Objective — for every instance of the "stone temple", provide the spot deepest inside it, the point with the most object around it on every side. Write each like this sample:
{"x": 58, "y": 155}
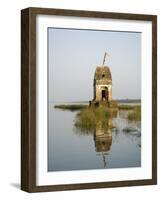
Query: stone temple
{"x": 102, "y": 86}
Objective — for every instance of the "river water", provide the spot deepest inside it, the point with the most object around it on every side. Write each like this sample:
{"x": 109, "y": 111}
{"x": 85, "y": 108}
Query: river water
{"x": 71, "y": 149}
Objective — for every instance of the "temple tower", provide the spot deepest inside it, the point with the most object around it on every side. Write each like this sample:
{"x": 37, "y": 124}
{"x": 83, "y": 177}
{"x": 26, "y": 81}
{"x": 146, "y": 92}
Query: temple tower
{"x": 102, "y": 84}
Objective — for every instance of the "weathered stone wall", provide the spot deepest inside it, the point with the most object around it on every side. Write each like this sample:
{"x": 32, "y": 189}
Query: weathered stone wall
{"x": 110, "y": 93}
{"x": 102, "y": 84}
{"x": 98, "y": 92}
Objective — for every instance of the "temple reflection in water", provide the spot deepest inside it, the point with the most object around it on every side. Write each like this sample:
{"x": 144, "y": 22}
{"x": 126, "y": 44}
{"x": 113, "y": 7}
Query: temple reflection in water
{"x": 103, "y": 139}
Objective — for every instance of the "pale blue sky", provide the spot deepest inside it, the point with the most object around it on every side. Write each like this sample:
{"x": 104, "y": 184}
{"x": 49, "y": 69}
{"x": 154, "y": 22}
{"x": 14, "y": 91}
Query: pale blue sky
{"x": 75, "y": 54}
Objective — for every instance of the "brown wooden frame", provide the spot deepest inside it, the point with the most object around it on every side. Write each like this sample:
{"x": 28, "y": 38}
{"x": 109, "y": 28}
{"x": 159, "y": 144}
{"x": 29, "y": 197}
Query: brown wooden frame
{"x": 28, "y": 98}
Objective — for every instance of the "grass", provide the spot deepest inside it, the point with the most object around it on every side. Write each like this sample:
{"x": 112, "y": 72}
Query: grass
{"x": 135, "y": 115}
{"x": 134, "y": 111}
{"x": 113, "y": 104}
{"x": 126, "y": 107}
{"x": 89, "y": 118}
{"x": 71, "y": 107}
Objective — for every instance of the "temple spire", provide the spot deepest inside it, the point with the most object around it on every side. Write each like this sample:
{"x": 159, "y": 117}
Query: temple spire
{"x": 105, "y": 57}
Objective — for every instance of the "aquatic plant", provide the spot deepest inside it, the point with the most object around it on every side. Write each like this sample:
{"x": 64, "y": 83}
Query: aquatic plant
{"x": 90, "y": 118}
{"x": 71, "y": 107}
{"x": 135, "y": 115}
{"x": 126, "y": 107}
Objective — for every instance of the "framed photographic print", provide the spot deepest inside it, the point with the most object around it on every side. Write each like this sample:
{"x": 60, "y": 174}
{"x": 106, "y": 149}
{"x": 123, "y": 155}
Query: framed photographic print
{"x": 88, "y": 99}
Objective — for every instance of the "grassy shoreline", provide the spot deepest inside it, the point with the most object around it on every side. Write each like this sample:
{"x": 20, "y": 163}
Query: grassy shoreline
{"x": 89, "y": 118}
{"x": 82, "y": 106}
{"x": 71, "y": 107}
{"x": 135, "y": 115}
{"x": 126, "y": 107}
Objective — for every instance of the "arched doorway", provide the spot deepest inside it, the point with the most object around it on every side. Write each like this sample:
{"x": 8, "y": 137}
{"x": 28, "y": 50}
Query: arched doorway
{"x": 104, "y": 94}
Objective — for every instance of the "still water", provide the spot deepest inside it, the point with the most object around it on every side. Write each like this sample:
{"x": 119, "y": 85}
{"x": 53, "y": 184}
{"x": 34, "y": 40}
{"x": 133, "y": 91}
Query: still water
{"x": 71, "y": 149}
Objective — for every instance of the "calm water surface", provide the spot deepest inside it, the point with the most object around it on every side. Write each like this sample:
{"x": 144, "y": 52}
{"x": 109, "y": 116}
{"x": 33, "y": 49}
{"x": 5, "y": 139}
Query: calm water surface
{"x": 71, "y": 149}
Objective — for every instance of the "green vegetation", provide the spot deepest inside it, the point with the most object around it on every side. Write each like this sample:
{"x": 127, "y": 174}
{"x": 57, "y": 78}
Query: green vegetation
{"x": 126, "y": 107}
{"x": 134, "y": 112}
{"x": 129, "y": 100}
{"x": 90, "y": 118}
{"x": 113, "y": 104}
{"x": 135, "y": 115}
{"x": 71, "y": 107}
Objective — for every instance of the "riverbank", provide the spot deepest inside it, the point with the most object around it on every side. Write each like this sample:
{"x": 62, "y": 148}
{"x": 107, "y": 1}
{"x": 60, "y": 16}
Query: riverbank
{"x": 89, "y": 118}
{"x": 74, "y": 107}
{"x": 71, "y": 107}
